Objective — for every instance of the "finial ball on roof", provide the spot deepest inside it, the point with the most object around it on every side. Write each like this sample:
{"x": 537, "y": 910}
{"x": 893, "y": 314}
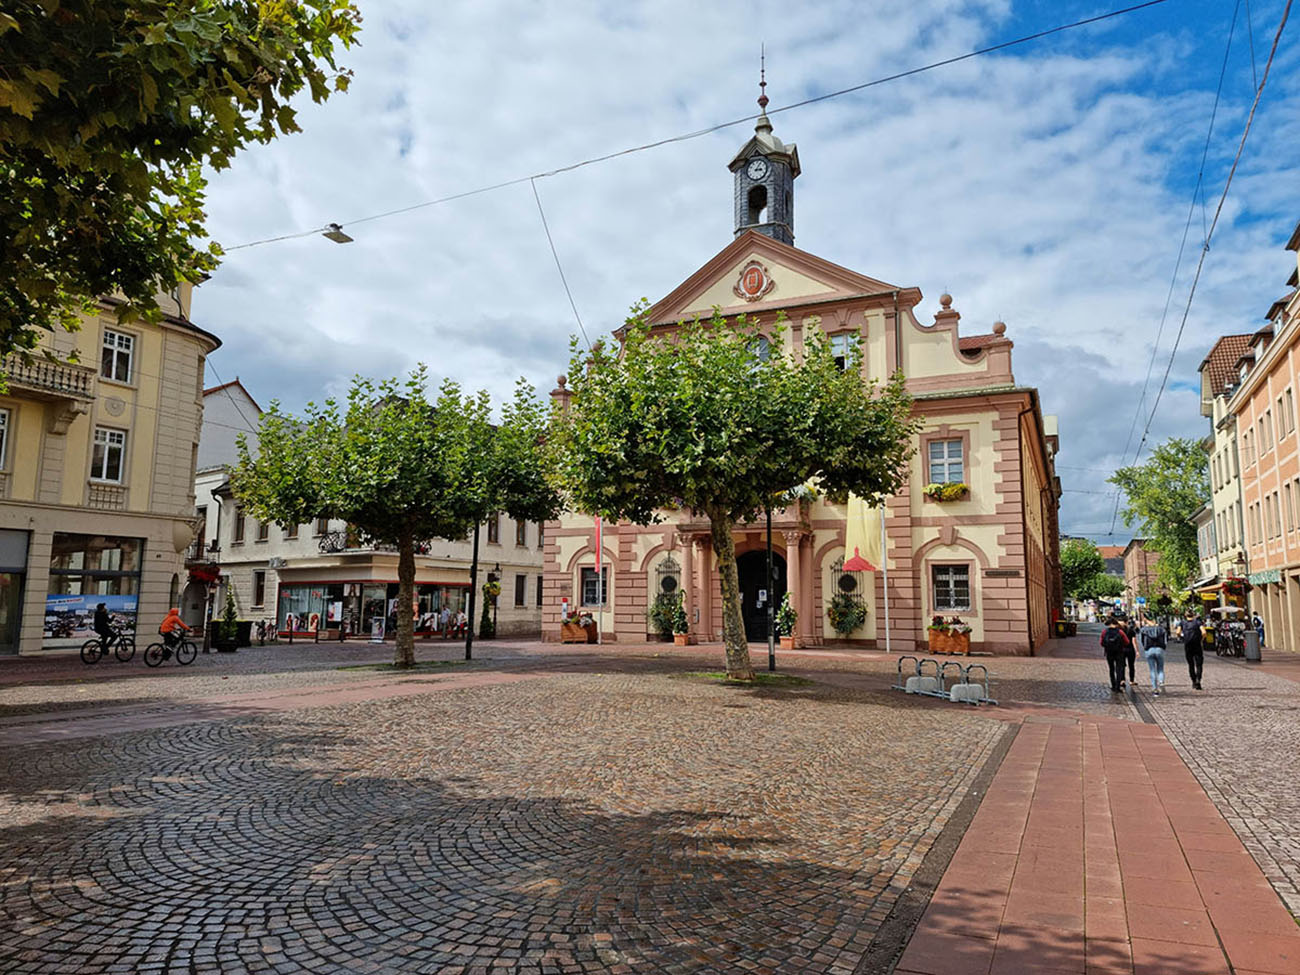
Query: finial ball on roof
{"x": 945, "y": 299}
{"x": 999, "y": 328}
{"x": 561, "y": 380}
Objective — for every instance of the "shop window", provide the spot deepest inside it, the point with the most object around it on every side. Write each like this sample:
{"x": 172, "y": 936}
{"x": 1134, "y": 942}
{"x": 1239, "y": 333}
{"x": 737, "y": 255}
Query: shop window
{"x": 237, "y": 529}
{"x": 115, "y": 360}
{"x": 259, "y": 588}
{"x": 86, "y": 570}
{"x": 595, "y": 592}
{"x": 106, "y": 463}
{"x": 4, "y": 437}
{"x": 521, "y": 532}
{"x": 951, "y": 587}
{"x": 539, "y": 591}
{"x": 521, "y": 589}
{"x": 494, "y": 529}
{"x": 946, "y": 462}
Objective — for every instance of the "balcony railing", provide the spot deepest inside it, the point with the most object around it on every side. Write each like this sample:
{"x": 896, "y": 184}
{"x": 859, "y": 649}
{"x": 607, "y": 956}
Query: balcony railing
{"x": 49, "y": 377}
{"x": 344, "y": 541}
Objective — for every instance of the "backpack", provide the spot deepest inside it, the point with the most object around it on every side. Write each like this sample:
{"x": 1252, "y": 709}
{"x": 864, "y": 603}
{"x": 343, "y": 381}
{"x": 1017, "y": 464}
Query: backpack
{"x": 1153, "y": 636}
{"x": 1191, "y": 631}
{"x": 1112, "y": 641}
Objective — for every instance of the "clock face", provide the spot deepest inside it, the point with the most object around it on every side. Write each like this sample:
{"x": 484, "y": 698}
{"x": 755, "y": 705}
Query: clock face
{"x": 756, "y": 169}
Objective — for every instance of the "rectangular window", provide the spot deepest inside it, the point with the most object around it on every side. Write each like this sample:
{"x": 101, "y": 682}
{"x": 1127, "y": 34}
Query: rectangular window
{"x": 1290, "y": 411}
{"x": 237, "y": 529}
{"x": 322, "y": 526}
{"x": 521, "y": 589}
{"x": 842, "y": 347}
{"x": 951, "y": 587}
{"x": 1236, "y": 470}
{"x": 259, "y": 588}
{"x": 494, "y": 528}
{"x": 291, "y": 531}
{"x": 946, "y": 462}
{"x": 110, "y": 452}
{"x": 591, "y": 595}
{"x": 1287, "y": 511}
{"x": 4, "y": 437}
{"x": 115, "y": 361}
{"x": 1241, "y": 528}
{"x": 521, "y": 533}
{"x": 539, "y": 592}
{"x": 541, "y": 533}
{"x": 263, "y": 530}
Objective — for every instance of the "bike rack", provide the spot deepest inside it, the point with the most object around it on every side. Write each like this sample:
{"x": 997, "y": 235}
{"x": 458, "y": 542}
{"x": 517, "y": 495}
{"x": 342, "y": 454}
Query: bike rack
{"x": 970, "y": 682}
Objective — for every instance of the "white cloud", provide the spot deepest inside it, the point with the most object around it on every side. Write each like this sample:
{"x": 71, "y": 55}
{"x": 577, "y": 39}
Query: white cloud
{"x": 1047, "y": 187}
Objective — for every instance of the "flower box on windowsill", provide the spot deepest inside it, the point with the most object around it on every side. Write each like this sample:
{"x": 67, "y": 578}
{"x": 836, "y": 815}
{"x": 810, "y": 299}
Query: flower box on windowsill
{"x": 945, "y": 493}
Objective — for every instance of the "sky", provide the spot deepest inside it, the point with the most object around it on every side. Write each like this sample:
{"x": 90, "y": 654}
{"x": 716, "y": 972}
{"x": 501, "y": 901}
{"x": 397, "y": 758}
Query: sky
{"x": 1047, "y": 186}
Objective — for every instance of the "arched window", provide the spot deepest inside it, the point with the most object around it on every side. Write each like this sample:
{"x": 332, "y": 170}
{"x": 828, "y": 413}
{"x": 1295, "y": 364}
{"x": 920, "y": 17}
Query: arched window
{"x": 175, "y": 591}
{"x": 758, "y": 204}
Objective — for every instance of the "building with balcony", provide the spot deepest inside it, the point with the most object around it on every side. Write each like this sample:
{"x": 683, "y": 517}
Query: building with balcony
{"x": 1219, "y": 376}
{"x": 972, "y": 534}
{"x": 324, "y": 576}
{"x": 1263, "y": 405}
{"x": 99, "y": 432}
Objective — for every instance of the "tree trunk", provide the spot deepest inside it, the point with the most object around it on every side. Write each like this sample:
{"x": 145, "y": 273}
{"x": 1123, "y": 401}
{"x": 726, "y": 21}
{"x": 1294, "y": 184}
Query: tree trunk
{"x": 733, "y": 623}
{"x": 404, "y": 651}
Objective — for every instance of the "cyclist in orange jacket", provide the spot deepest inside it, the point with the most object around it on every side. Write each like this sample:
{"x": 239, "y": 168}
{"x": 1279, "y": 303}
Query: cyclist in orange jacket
{"x": 171, "y": 624}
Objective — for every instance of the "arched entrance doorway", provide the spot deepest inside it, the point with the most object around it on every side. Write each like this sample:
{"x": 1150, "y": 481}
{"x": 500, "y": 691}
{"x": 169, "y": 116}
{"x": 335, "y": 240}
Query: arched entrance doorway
{"x": 752, "y": 569}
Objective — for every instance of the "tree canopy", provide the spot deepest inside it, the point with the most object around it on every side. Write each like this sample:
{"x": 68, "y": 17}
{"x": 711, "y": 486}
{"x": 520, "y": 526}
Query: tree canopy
{"x": 109, "y": 110}
{"x": 1160, "y": 497}
{"x": 400, "y": 468}
{"x": 1102, "y": 586}
{"x": 1080, "y": 561}
{"x": 708, "y": 417}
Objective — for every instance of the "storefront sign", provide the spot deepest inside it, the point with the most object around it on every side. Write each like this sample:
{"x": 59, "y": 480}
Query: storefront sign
{"x": 1265, "y": 576}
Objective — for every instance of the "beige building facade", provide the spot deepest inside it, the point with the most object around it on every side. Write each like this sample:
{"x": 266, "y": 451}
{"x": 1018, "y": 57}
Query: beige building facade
{"x": 987, "y": 555}
{"x": 1219, "y": 377}
{"x": 99, "y": 433}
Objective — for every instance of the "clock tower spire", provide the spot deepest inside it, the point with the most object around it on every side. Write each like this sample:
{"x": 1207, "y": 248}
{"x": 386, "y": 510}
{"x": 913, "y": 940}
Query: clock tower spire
{"x": 764, "y": 172}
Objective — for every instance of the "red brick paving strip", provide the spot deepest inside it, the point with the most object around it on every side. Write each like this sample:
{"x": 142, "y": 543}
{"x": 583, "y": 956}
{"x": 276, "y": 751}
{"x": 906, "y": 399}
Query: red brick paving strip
{"x": 1096, "y": 850}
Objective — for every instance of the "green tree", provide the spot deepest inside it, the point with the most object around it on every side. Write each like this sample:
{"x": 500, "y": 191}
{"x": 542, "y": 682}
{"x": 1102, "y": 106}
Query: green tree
{"x": 1160, "y": 497}
{"x": 702, "y": 419}
{"x": 109, "y": 110}
{"x": 1102, "y": 586}
{"x": 400, "y": 468}
{"x": 1080, "y": 561}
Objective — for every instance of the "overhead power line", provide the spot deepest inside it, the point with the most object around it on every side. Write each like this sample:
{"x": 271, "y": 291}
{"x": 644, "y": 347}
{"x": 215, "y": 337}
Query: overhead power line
{"x": 686, "y": 136}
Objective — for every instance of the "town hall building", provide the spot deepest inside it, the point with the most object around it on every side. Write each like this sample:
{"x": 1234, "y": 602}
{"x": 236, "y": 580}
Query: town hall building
{"x": 973, "y": 533}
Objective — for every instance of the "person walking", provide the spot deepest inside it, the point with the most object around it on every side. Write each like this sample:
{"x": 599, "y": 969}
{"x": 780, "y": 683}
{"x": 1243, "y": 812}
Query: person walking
{"x": 444, "y": 622}
{"x": 1153, "y": 639}
{"x": 1130, "y": 651}
{"x": 1259, "y": 628}
{"x": 1193, "y": 648}
{"x": 1114, "y": 641}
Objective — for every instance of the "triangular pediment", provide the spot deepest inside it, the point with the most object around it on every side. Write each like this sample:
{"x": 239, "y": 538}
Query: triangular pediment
{"x": 789, "y": 277}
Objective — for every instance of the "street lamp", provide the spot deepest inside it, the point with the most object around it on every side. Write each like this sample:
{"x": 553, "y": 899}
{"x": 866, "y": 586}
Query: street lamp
{"x": 335, "y": 233}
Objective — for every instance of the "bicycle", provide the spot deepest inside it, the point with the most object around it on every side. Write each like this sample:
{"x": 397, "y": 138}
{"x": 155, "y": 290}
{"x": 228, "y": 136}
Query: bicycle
{"x": 185, "y": 651}
{"x": 92, "y": 651}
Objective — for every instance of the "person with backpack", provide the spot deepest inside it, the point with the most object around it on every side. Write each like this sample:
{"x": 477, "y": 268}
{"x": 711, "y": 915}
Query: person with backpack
{"x": 1114, "y": 642}
{"x": 1153, "y": 639}
{"x": 1193, "y": 648}
{"x": 1130, "y": 652}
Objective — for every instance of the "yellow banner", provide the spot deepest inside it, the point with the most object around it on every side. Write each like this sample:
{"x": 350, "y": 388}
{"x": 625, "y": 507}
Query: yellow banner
{"x": 862, "y": 541}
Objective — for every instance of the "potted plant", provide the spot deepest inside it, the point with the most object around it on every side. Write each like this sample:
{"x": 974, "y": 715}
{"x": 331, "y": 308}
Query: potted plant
{"x": 845, "y": 613}
{"x": 571, "y": 629}
{"x": 660, "y": 615}
{"x": 951, "y": 635}
{"x": 681, "y": 625}
{"x": 950, "y": 491}
{"x": 786, "y": 618}
{"x": 487, "y": 628}
{"x": 227, "y": 629}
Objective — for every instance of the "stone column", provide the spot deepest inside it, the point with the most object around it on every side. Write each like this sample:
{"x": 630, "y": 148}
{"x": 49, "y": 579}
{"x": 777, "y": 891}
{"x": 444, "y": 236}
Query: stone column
{"x": 689, "y": 601}
{"x": 704, "y": 572}
{"x": 795, "y": 583}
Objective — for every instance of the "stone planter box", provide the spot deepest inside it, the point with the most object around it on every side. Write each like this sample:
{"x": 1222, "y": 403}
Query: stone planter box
{"x": 787, "y": 642}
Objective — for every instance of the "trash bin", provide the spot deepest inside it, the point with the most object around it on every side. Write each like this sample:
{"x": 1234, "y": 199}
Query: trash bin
{"x": 1252, "y": 645}
{"x": 244, "y": 637}
{"x": 1062, "y": 628}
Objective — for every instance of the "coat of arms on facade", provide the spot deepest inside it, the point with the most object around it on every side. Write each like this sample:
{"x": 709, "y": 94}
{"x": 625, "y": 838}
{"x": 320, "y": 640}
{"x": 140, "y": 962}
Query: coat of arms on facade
{"x": 754, "y": 282}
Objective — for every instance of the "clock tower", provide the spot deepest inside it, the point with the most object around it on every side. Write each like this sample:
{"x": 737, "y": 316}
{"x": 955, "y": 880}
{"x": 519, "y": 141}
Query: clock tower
{"x": 764, "y": 172}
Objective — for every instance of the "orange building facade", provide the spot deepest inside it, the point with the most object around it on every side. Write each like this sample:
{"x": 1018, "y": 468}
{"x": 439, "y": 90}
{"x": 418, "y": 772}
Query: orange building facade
{"x": 1268, "y": 381}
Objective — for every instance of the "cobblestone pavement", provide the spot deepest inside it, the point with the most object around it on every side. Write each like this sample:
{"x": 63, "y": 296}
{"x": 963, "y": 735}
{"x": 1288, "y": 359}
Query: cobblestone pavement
{"x": 574, "y": 822}
{"x": 1241, "y": 737}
